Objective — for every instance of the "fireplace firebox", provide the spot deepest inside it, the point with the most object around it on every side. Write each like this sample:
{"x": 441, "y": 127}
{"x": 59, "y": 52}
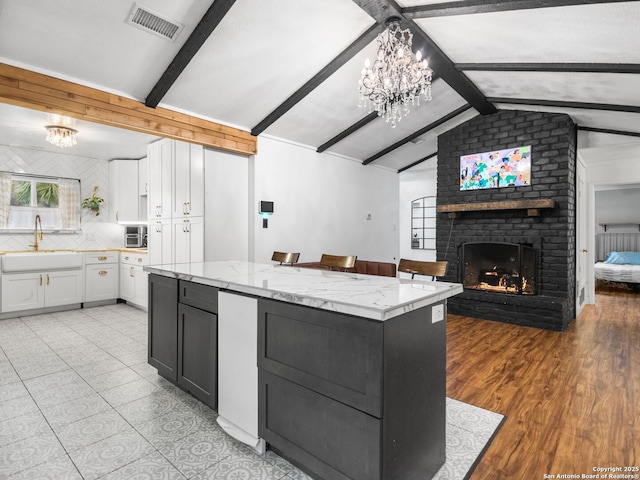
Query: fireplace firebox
{"x": 499, "y": 267}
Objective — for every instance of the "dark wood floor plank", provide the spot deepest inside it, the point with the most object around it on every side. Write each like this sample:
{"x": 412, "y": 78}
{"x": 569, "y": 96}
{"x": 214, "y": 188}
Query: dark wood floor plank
{"x": 572, "y": 399}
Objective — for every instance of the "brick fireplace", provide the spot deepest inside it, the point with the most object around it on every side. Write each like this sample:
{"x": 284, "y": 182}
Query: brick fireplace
{"x": 504, "y": 216}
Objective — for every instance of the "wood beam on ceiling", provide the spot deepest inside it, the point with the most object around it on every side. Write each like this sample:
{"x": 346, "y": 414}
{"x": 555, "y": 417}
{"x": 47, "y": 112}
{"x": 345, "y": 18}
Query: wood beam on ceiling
{"x": 609, "y": 131}
{"x": 381, "y": 10}
{"x": 422, "y": 131}
{"x": 470, "y": 7}
{"x": 348, "y": 131}
{"x": 28, "y": 89}
{"x": 200, "y": 34}
{"x": 344, "y": 56}
{"x": 565, "y": 104}
{"x": 424, "y": 159}
{"x": 551, "y": 67}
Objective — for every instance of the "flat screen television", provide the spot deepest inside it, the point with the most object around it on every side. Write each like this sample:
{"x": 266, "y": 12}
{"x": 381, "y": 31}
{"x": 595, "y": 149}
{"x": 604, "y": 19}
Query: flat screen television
{"x": 500, "y": 168}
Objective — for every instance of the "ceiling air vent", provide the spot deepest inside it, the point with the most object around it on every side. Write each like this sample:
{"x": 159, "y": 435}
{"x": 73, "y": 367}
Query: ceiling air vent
{"x": 151, "y": 22}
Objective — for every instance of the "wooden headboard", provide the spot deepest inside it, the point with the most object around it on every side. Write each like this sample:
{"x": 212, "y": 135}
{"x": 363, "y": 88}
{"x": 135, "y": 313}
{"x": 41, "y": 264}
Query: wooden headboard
{"x": 616, "y": 242}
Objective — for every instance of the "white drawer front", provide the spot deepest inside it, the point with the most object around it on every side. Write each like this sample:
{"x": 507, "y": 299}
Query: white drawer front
{"x": 91, "y": 258}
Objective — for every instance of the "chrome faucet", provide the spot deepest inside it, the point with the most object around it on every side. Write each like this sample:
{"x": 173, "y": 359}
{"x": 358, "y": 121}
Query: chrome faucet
{"x": 35, "y": 233}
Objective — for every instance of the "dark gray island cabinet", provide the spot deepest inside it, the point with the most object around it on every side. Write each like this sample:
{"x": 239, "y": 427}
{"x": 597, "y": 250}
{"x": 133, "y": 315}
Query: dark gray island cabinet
{"x": 345, "y": 390}
{"x": 183, "y": 335}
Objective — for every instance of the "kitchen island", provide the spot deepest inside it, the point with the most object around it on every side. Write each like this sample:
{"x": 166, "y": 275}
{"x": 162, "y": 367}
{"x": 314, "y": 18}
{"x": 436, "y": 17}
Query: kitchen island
{"x": 342, "y": 374}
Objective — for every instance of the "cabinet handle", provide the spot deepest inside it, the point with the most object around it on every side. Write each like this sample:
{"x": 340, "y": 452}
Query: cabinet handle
{"x": 40, "y": 280}
{"x": 102, "y": 259}
{"x": 184, "y": 208}
{"x": 139, "y": 260}
{"x": 126, "y": 258}
{"x": 132, "y": 272}
{"x": 47, "y": 279}
{"x": 102, "y": 272}
{"x": 117, "y": 215}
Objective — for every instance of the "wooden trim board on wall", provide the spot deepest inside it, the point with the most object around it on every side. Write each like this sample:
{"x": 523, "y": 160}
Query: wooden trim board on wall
{"x": 49, "y": 94}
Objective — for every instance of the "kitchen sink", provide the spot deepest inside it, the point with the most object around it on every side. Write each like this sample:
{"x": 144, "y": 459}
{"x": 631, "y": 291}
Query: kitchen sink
{"x": 41, "y": 260}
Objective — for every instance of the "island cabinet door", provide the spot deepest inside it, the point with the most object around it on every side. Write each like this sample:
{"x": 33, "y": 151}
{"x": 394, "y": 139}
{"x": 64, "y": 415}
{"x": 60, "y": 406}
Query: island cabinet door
{"x": 163, "y": 326}
{"x": 331, "y": 440}
{"x": 197, "y": 353}
{"x": 320, "y": 389}
{"x": 336, "y": 355}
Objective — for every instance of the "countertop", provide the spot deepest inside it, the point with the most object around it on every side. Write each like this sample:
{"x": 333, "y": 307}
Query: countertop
{"x": 375, "y": 297}
{"x": 80, "y": 250}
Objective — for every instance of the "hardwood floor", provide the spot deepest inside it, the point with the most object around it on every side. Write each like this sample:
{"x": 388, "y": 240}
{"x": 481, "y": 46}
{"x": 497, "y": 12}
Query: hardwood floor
{"x": 572, "y": 399}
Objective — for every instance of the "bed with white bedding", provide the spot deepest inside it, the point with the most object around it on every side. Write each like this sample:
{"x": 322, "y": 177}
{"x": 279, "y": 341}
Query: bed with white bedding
{"x": 617, "y": 273}
{"x": 620, "y": 267}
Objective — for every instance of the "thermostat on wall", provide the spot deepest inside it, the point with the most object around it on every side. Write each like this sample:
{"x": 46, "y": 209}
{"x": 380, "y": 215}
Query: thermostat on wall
{"x": 266, "y": 207}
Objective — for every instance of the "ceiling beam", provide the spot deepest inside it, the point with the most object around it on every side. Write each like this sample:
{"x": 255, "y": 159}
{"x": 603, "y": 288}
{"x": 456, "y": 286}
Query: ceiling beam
{"x": 424, "y": 159}
{"x": 470, "y": 7}
{"x": 565, "y": 104}
{"x": 347, "y": 54}
{"x": 200, "y": 34}
{"x": 422, "y": 131}
{"x": 612, "y": 132}
{"x": 551, "y": 67}
{"x": 348, "y": 131}
{"x": 25, "y": 88}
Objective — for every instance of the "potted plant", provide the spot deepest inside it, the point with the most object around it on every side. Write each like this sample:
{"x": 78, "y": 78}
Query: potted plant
{"x": 93, "y": 202}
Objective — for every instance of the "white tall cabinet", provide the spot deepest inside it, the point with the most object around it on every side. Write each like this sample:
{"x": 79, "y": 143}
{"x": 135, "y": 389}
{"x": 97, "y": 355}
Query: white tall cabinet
{"x": 176, "y": 202}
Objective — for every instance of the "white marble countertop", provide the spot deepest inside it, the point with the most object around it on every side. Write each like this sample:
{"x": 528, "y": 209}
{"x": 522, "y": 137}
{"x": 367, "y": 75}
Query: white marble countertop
{"x": 369, "y": 296}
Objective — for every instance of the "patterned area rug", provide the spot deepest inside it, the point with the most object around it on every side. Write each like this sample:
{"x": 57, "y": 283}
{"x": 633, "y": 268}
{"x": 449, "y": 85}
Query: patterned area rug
{"x": 470, "y": 431}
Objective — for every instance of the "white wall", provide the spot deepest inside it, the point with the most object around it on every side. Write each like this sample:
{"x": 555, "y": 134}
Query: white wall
{"x": 617, "y": 205}
{"x": 415, "y": 183}
{"x": 96, "y": 232}
{"x": 226, "y": 194}
{"x": 321, "y": 205}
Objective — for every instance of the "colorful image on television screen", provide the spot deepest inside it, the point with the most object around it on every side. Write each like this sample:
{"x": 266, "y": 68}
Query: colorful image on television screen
{"x": 501, "y": 168}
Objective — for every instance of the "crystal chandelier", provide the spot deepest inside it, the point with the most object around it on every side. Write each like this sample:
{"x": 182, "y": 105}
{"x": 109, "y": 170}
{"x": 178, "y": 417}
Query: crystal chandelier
{"x": 61, "y": 136}
{"x": 398, "y": 78}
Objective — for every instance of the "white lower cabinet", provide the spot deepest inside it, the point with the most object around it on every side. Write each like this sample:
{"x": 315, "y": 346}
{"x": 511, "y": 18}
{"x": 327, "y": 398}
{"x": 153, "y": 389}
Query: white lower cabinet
{"x": 27, "y": 291}
{"x": 159, "y": 241}
{"x": 188, "y": 240}
{"x": 133, "y": 279}
{"x": 101, "y": 276}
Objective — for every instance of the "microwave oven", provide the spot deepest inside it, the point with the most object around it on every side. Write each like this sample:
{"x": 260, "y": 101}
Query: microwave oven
{"x": 135, "y": 236}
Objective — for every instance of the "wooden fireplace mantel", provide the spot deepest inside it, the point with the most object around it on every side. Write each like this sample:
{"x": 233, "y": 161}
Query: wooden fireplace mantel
{"x": 532, "y": 207}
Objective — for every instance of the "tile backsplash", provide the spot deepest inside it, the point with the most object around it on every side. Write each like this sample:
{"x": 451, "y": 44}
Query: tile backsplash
{"x": 97, "y": 231}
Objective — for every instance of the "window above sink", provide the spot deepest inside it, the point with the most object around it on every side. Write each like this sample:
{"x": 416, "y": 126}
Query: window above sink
{"x": 55, "y": 199}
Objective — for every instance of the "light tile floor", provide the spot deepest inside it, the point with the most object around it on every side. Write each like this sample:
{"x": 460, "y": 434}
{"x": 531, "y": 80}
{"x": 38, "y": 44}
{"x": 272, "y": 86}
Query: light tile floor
{"x": 79, "y": 401}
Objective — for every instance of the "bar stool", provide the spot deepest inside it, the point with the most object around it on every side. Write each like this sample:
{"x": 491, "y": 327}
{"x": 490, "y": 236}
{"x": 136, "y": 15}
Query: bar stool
{"x": 432, "y": 269}
{"x": 338, "y": 261}
{"x": 285, "y": 257}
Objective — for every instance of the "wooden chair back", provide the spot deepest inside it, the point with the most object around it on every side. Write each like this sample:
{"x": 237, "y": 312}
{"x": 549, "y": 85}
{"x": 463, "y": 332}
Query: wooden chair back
{"x": 285, "y": 257}
{"x": 432, "y": 269}
{"x": 338, "y": 261}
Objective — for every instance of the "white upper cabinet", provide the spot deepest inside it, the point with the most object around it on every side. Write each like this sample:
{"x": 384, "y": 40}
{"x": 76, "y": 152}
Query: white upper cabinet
{"x": 160, "y": 159}
{"x": 188, "y": 175}
{"x": 143, "y": 177}
{"x": 123, "y": 192}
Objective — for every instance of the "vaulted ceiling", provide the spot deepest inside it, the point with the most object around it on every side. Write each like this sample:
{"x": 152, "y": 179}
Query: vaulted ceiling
{"x": 290, "y": 68}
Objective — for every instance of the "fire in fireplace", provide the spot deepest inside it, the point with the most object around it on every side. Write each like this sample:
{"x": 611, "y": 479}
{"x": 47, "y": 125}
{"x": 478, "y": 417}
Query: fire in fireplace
{"x": 499, "y": 267}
